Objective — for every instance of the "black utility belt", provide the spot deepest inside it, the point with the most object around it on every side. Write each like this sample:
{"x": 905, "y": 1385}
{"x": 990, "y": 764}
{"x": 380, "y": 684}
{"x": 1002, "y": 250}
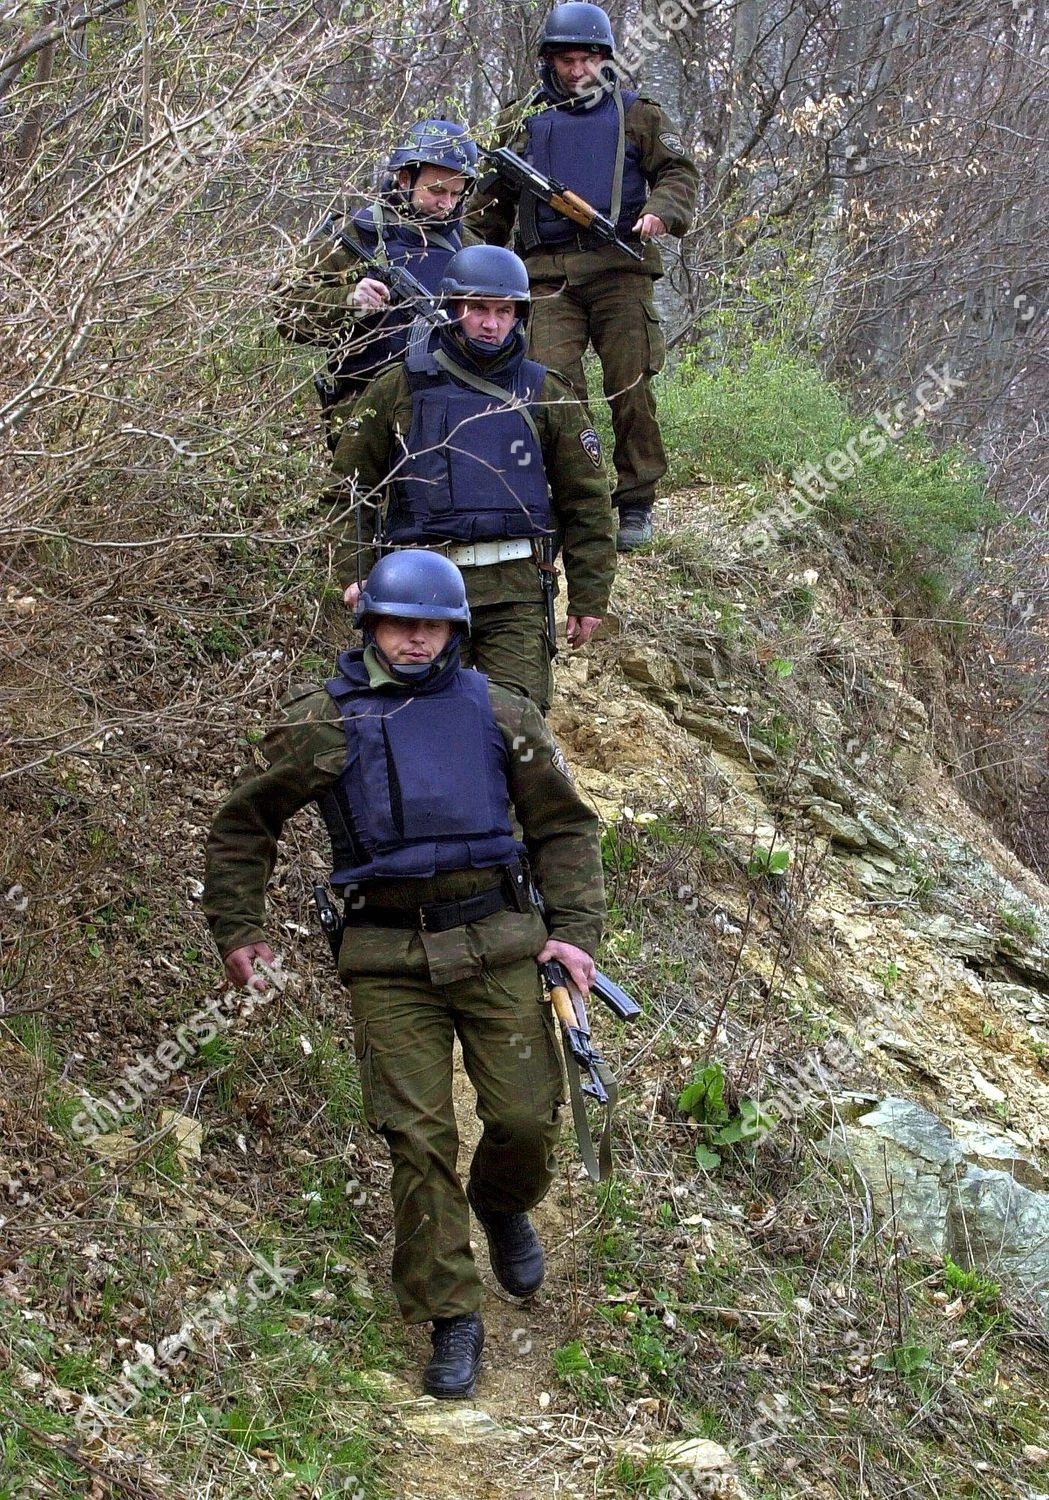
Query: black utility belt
{"x": 435, "y": 916}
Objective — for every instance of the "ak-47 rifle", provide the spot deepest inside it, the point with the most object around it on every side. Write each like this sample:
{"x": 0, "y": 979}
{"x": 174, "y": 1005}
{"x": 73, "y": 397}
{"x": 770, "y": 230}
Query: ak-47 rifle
{"x": 403, "y": 286}
{"x": 405, "y": 289}
{"x": 520, "y": 174}
{"x": 546, "y": 579}
{"x": 582, "y": 1057}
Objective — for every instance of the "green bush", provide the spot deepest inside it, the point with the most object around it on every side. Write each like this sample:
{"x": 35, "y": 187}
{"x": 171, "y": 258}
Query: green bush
{"x": 760, "y": 416}
{"x": 910, "y": 512}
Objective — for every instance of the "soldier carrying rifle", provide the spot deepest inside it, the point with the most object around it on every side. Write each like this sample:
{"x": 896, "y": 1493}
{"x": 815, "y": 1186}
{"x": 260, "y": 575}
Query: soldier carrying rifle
{"x": 351, "y": 294}
{"x": 615, "y": 149}
{"x": 416, "y": 766}
{"x": 470, "y": 446}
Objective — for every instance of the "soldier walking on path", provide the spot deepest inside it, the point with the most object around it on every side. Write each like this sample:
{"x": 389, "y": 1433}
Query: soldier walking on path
{"x": 619, "y": 151}
{"x": 415, "y": 764}
{"x": 340, "y": 302}
{"x": 472, "y": 447}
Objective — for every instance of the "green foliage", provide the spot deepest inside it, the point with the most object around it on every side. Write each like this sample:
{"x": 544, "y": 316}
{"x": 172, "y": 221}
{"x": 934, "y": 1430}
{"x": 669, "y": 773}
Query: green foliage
{"x": 768, "y": 862}
{"x": 981, "y": 1293}
{"x": 763, "y": 413}
{"x": 1018, "y": 921}
{"x": 908, "y": 1359}
{"x": 639, "y": 1476}
{"x": 703, "y": 1100}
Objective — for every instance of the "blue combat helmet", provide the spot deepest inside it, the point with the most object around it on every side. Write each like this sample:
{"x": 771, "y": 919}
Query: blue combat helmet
{"x": 415, "y": 585}
{"x": 578, "y": 25}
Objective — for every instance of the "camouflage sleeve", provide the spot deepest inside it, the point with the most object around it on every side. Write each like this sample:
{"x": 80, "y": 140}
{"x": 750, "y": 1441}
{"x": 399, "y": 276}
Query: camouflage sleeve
{"x": 361, "y": 469}
{"x": 302, "y": 755}
{"x": 492, "y": 210}
{"x": 313, "y": 305}
{"x": 672, "y": 175}
{"x": 560, "y": 831}
{"x": 579, "y": 489}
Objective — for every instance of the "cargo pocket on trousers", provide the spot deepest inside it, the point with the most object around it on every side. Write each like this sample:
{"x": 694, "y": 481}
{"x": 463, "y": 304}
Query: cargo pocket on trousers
{"x": 373, "y": 1093}
{"x": 655, "y": 342}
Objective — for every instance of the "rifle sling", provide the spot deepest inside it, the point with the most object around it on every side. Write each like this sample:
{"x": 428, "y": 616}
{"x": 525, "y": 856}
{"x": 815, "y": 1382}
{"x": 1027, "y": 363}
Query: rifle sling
{"x": 598, "y": 1163}
{"x": 488, "y": 388}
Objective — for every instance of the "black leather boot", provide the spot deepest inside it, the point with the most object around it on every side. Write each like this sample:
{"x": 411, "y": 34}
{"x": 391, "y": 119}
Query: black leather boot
{"x": 457, "y": 1344}
{"x": 635, "y": 527}
{"x": 513, "y": 1248}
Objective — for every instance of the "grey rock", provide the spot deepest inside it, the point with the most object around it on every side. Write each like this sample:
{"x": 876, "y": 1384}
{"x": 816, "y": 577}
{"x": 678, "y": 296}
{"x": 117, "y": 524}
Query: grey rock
{"x": 730, "y": 740}
{"x": 827, "y": 784}
{"x": 998, "y": 1226}
{"x": 964, "y": 1190}
{"x": 830, "y": 819}
{"x": 983, "y": 1146}
{"x": 1026, "y": 957}
{"x": 878, "y": 881}
{"x": 1017, "y": 997}
{"x": 884, "y": 839}
{"x": 959, "y": 939}
{"x": 646, "y": 668}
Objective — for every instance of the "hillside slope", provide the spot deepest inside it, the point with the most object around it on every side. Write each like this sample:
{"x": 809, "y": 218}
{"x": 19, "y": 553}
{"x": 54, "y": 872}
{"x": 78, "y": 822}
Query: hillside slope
{"x": 814, "y": 921}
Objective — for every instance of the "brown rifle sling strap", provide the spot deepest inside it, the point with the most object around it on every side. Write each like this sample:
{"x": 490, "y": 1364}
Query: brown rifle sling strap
{"x": 598, "y": 1163}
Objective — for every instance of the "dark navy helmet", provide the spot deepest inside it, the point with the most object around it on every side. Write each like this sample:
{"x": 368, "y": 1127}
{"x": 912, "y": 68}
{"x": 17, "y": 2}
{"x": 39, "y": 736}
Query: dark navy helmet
{"x": 415, "y": 585}
{"x": 486, "y": 271}
{"x": 577, "y": 25}
{"x": 437, "y": 143}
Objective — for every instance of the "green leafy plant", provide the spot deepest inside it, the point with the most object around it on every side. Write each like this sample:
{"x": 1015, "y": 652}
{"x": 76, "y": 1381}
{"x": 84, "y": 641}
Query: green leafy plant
{"x": 768, "y": 862}
{"x": 703, "y": 1100}
{"x": 906, "y": 1359}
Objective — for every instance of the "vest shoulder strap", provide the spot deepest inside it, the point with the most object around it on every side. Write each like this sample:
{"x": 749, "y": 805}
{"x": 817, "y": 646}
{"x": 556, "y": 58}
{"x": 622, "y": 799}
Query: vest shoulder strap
{"x": 489, "y": 388}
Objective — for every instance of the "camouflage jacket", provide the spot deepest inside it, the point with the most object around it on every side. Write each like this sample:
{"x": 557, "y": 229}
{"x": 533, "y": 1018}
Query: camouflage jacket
{"x": 306, "y": 751}
{"x": 574, "y": 471}
{"x": 674, "y": 188}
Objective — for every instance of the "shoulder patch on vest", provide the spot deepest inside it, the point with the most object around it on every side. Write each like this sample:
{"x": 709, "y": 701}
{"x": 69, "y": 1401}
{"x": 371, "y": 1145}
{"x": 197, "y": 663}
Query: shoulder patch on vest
{"x": 591, "y": 445}
{"x": 672, "y": 142}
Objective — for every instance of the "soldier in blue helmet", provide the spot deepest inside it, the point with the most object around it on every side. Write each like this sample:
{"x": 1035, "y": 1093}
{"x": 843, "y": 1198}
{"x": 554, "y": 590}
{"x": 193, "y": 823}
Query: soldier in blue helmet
{"x": 470, "y": 446}
{"x": 336, "y": 300}
{"x": 415, "y": 765}
{"x": 615, "y": 148}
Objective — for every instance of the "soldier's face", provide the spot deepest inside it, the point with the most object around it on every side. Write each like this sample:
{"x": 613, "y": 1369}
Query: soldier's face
{"x": 489, "y": 320}
{"x": 407, "y": 643}
{"x": 436, "y": 192}
{"x": 577, "y": 68}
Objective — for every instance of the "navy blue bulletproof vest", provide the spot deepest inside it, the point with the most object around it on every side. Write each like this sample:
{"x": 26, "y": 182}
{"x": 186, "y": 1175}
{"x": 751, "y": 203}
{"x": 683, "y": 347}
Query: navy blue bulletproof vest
{"x": 425, "y": 783}
{"x": 379, "y": 340}
{"x": 472, "y": 469}
{"x": 578, "y": 147}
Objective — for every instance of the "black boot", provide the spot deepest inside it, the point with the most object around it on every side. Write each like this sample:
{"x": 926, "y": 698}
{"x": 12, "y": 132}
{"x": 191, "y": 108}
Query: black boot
{"x": 457, "y": 1344}
{"x": 635, "y": 527}
{"x": 513, "y": 1248}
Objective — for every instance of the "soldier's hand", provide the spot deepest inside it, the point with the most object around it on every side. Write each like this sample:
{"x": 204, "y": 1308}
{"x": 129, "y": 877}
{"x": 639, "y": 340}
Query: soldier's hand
{"x": 370, "y": 295}
{"x": 352, "y": 595}
{"x": 648, "y": 226}
{"x": 581, "y": 967}
{"x": 581, "y": 628}
{"x": 240, "y": 966}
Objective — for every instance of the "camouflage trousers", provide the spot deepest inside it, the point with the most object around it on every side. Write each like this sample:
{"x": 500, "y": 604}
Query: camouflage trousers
{"x": 404, "y": 1029}
{"x": 508, "y": 643}
{"x": 616, "y": 313}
